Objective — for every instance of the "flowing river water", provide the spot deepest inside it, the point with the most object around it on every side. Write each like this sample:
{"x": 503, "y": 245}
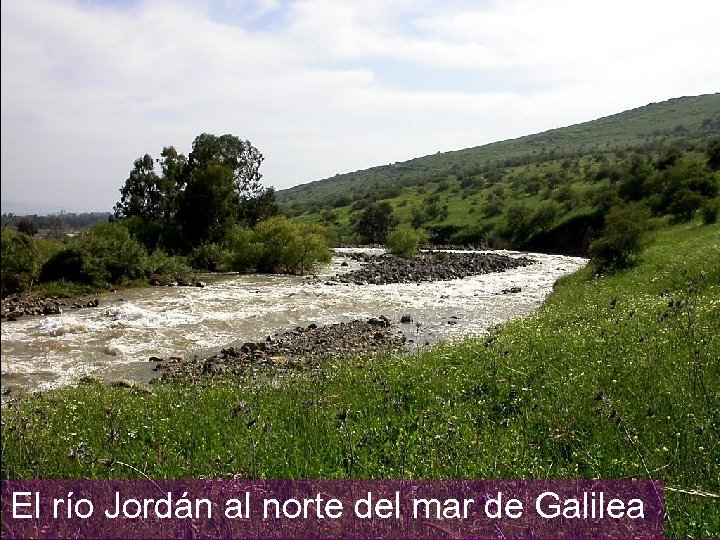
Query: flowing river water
{"x": 115, "y": 340}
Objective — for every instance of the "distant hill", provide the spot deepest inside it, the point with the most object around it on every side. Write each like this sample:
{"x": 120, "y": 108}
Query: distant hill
{"x": 686, "y": 118}
{"x": 449, "y": 192}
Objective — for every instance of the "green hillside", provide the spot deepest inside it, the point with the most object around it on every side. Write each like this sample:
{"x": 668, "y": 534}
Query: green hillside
{"x": 464, "y": 196}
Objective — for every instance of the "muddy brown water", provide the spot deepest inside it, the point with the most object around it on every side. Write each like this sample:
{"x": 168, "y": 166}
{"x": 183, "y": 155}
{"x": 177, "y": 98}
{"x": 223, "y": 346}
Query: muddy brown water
{"x": 115, "y": 340}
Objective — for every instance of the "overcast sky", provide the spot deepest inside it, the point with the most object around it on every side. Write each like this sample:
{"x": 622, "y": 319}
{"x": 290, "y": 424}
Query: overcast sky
{"x": 320, "y": 86}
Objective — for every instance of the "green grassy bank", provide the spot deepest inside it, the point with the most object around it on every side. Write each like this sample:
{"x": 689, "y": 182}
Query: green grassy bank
{"x": 615, "y": 377}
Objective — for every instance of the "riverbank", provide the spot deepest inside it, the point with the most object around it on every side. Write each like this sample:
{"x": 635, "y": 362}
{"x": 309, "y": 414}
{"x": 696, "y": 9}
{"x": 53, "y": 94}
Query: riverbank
{"x": 298, "y": 350}
{"x": 115, "y": 340}
{"x": 377, "y": 269}
{"x": 614, "y": 377}
{"x": 16, "y": 306}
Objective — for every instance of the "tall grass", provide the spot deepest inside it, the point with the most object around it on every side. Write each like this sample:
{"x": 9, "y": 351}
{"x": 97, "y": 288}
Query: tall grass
{"x": 614, "y": 377}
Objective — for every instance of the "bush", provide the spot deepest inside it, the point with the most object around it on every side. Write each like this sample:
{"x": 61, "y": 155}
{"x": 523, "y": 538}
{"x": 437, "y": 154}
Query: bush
{"x": 27, "y": 226}
{"x": 709, "y": 211}
{"x": 242, "y": 250}
{"x": 166, "y": 268}
{"x": 207, "y": 257}
{"x": 623, "y": 239}
{"x": 290, "y": 248}
{"x": 404, "y": 242}
{"x": 106, "y": 254}
{"x": 684, "y": 205}
{"x": 112, "y": 255}
{"x": 375, "y": 222}
{"x": 67, "y": 264}
{"x": 19, "y": 262}
{"x": 314, "y": 248}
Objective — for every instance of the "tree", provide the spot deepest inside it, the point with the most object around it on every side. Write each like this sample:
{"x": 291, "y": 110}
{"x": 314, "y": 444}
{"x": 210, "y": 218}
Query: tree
{"x": 636, "y": 172}
{"x": 27, "y": 226}
{"x": 375, "y": 222}
{"x": 172, "y": 183}
{"x": 208, "y": 206}
{"x": 197, "y": 199}
{"x": 259, "y": 208}
{"x": 141, "y": 194}
{"x": 241, "y": 157}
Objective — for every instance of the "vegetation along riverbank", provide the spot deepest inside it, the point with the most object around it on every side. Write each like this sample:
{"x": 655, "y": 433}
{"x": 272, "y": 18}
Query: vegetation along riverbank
{"x": 615, "y": 377}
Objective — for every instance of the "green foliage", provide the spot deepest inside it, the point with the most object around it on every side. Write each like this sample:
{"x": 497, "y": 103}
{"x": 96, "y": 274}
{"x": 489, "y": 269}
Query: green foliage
{"x": 612, "y": 378}
{"x": 623, "y": 239}
{"x": 208, "y": 257}
{"x": 67, "y": 265}
{"x": 243, "y": 250}
{"x": 166, "y": 268}
{"x": 404, "y": 241}
{"x": 19, "y": 262}
{"x": 684, "y": 205}
{"x": 240, "y": 157}
{"x": 713, "y": 154}
{"x": 640, "y": 154}
{"x": 112, "y": 255}
{"x": 649, "y": 126}
{"x": 106, "y": 254}
{"x": 28, "y": 227}
{"x": 375, "y": 222}
{"x": 633, "y": 184}
{"x": 255, "y": 209}
{"x": 143, "y": 194}
{"x": 290, "y": 248}
{"x": 195, "y": 200}
{"x": 709, "y": 211}
{"x": 208, "y": 206}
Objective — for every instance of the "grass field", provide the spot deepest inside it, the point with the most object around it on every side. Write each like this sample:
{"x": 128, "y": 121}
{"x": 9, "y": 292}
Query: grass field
{"x": 614, "y": 377}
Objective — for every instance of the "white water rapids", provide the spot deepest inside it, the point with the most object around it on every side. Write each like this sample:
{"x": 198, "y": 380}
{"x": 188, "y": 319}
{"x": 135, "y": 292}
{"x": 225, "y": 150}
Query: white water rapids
{"x": 114, "y": 340}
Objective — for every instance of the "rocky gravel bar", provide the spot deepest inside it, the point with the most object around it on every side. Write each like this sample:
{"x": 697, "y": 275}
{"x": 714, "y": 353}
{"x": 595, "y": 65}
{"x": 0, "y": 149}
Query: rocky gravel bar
{"x": 437, "y": 266}
{"x": 298, "y": 349}
{"x": 14, "y": 307}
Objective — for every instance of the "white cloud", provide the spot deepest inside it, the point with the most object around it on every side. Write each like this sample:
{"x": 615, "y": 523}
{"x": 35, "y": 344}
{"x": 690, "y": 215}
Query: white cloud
{"x": 87, "y": 89}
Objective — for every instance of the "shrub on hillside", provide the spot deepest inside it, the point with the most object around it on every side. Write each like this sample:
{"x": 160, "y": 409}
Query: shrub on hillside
{"x": 623, "y": 239}
{"x": 404, "y": 241}
{"x": 709, "y": 211}
{"x": 684, "y": 205}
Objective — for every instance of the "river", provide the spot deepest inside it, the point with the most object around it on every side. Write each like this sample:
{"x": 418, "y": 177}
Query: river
{"x": 115, "y": 340}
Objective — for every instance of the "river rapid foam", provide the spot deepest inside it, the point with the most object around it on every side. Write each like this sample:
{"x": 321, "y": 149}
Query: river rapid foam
{"x": 115, "y": 340}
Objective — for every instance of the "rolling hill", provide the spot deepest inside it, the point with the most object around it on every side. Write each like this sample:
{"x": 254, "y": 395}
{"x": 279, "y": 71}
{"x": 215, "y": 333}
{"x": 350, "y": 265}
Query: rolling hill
{"x": 464, "y": 196}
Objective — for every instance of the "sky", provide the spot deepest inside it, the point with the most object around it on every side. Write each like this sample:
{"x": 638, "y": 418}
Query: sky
{"x": 320, "y": 87}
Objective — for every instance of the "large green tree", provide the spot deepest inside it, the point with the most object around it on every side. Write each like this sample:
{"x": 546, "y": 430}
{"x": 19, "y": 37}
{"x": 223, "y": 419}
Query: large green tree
{"x": 375, "y": 222}
{"x": 241, "y": 157}
{"x": 208, "y": 205}
{"x": 195, "y": 199}
{"x": 151, "y": 196}
{"x": 141, "y": 194}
